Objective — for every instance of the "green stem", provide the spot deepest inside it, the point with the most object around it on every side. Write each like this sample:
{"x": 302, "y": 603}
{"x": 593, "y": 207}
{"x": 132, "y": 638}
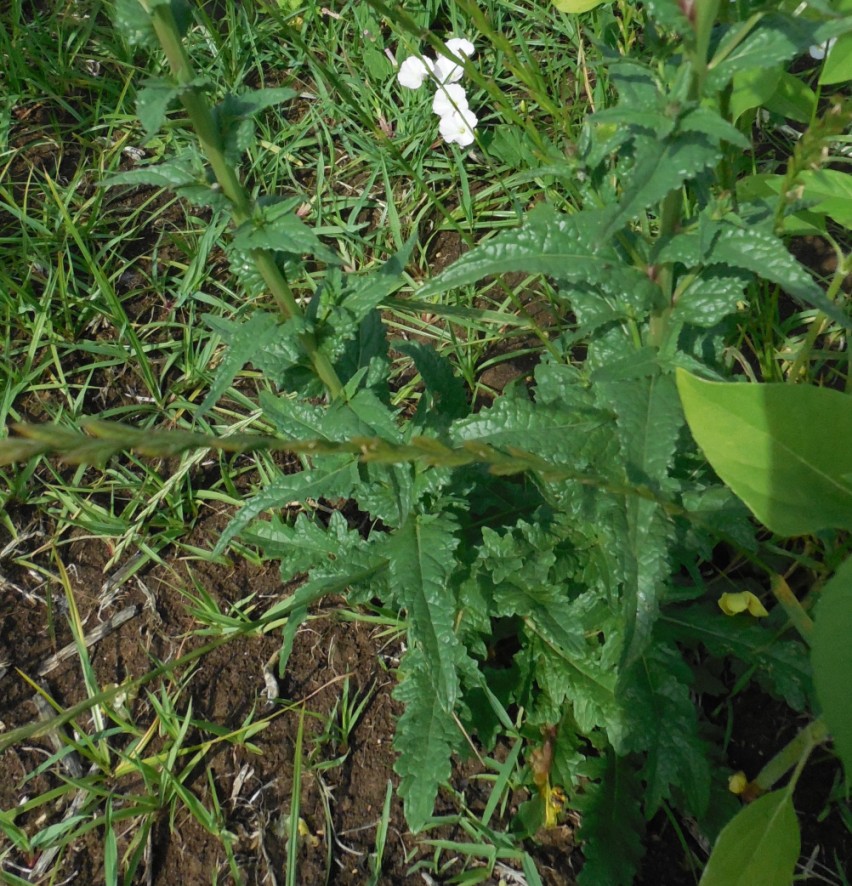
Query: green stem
{"x": 793, "y": 754}
{"x": 705, "y": 17}
{"x": 670, "y": 213}
{"x": 801, "y": 621}
{"x": 197, "y": 107}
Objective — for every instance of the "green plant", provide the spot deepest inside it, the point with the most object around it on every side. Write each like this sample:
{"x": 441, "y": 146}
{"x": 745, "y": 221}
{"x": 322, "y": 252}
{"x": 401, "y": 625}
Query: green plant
{"x": 537, "y": 545}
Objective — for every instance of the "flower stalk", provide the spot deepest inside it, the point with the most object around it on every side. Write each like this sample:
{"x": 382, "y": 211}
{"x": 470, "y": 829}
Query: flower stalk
{"x": 201, "y": 116}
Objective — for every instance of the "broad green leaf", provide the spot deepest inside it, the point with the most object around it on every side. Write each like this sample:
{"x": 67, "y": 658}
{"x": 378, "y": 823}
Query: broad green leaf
{"x": 779, "y": 666}
{"x": 584, "y": 683}
{"x": 648, "y": 420}
{"x": 756, "y": 250}
{"x": 386, "y": 492}
{"x": 233, "y": 116}
{"x": 752, "y": 89}
{"x": 153, "y": 101}
{"x": 670, "y": 14}
{"x": 662, "y": 167}
{"x": 302, "y": 421}
{"x": 426, "y": 735}
{"x": 831, "y": 656}
{"x": 837, "y": 67}
{"x": 773, "y": 40}
{"x": 520, "y": 566}
{"x": 246, "y": 104}
{"x": 363, "y": 294}
{"x": 759, "y": 847}
{"x": 638, "y": 87}
{"x": 306, "y": 544}
{"x": 447, "y": 397}
{"x": 783, "y": 449}
{"x": 569, "y": 248}
{"x": 420, "y": 555}
{"x": 134, "y": 22}
{"x": 715, "y": 293}
{"x": 572, "y": 437}
{"x": 334, "y": 483}
{"x": 244, "y": 341}
{"x": 576, "y": 6}
{"x": 612, "y": 825}
{"x": 838, "y": 209}
{"x": 832, "y": 190}
{"x": 792, "y": 98}
{"x": 361, "y": 416}
{"x": 277, "y": 227}
{"x": 713, "y": 124}
{"x": 664, "y": 725}
{"x": 764, "y": 189}
{"x": 171, "y": 174}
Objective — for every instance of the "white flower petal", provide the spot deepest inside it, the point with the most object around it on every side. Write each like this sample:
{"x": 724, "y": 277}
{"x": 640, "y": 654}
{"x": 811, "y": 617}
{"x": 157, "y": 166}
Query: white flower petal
{"x": 458, "y": 127}
{"x": 460, "y": 47}
{"x": 414, "y": 71}
{"x": 446, "y": 71}
{"x": 821, "y": 50}
{"x": 449, "y": 98}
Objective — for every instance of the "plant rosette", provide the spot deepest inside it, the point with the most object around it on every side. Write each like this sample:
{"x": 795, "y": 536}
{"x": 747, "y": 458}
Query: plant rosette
{"x": 457, "y": 123}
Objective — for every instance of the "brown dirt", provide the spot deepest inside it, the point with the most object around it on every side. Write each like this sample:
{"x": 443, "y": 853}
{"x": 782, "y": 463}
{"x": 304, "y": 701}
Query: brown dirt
{"x": 343, "y": 786}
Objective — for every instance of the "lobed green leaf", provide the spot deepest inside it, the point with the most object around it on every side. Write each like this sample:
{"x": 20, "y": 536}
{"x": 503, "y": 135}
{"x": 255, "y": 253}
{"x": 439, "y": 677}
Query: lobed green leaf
{"x": 612, "y": 825}
{"x": 426, "y": 735}
{"x": 420, "y": 555}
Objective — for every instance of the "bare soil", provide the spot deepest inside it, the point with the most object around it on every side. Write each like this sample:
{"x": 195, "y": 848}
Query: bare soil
{"x": 343, "y": 785}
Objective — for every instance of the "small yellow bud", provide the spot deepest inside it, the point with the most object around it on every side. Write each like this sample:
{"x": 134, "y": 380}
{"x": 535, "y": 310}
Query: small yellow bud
{"x": 734, "y": 604}
{"x": 737, "y": 783}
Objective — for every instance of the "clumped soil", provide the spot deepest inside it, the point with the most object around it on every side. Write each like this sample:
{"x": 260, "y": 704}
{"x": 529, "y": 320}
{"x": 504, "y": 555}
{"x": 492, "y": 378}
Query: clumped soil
{"x": 343, "y": 782}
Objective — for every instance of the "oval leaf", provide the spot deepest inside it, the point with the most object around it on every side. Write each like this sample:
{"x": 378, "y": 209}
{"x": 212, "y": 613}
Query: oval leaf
{"x": 783, "y": 449}
{"x": 758, "y": 847}
{"x": 831, "y": 657}
{"x": 838, "y": 66}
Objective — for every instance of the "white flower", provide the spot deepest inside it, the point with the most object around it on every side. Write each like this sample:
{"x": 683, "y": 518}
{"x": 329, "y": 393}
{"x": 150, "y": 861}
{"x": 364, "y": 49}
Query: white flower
{"x": 413, "y": 72}
{"x": 460, "y": 47}
{"x": 458, "y": 127}
{"x": 457, "y": 121}
{"x": 447, "y": 70}
{"x": 821, "y": 50}
{"x": 449, "y": 98}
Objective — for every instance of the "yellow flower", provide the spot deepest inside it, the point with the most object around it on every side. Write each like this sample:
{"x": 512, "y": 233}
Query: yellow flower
{"x": 734, "y": 604}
